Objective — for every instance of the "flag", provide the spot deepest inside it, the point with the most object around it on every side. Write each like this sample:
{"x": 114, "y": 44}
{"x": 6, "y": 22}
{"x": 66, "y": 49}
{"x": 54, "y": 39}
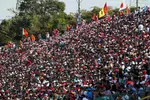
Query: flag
{"x": 93, "y": 17}
{"x": 32, "y": 37}
{"x": 122, "y": 6}
{"x": 101, "y": 13}
{"x": 127, "y": 10}
{"x": 121, "y": 13}
{"x": 105, "y": 8}
{"x": 68, "y": 27}
{"x": 25, "y": 33}
{"x": 96, "y": 18}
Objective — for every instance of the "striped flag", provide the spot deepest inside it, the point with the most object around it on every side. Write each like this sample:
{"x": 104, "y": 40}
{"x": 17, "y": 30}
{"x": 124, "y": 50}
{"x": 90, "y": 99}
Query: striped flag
{"x": 122, "y": 6}
{"x": 105, "y": 8}
{"x": 25, "y": 33}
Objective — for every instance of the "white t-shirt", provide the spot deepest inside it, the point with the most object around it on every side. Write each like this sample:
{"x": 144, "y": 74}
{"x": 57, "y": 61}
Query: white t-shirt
{"x": 84, "y": 98}
{"x": 126, "y": 97}
{"x": 147, "y": 29}
{"x": 47, "y": 35}
{"x": 141, "y": 27}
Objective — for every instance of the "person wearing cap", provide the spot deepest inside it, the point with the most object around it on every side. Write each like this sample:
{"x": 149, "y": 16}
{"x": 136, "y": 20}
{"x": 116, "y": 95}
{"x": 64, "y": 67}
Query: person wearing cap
{"x": 105, "y": 55}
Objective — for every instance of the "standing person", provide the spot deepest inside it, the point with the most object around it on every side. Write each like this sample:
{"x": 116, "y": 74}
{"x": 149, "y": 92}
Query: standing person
{"x": 39, "y": 37}
{"x": 47, "y": 36}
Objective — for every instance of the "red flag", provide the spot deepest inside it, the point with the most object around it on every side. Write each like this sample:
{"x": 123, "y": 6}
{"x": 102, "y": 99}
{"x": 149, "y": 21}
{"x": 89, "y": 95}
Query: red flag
{"x": 25, "y": 33}
{"x": 122, "y": 6}
{"x": 68, "y": 27}
{"x": 94, "y": 16}
{"x": 105, "y": 8}
{"x": 32, "y": 37}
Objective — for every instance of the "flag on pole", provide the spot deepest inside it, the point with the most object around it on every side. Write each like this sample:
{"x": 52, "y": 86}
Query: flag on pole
{"x": 68, "y": 27}
{"x": 101, "y": 13}
{"x": 25, "y": 33}
{"x": 32, "y": 37}
{"x": 122, "y": 6}
{"x": 105, "y": 8}
{"x": 127, "y": 10}
{"x": 95, "y": 17}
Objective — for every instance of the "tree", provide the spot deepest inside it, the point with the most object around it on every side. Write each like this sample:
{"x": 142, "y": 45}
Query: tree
{"x": 41, "y": 16}
{"x": 41, "y": 7}
{"x": 132, "y": 9}
{"x": 87, "y": 15}
{"x": 95, "y": 10}
{"x": 37, "y": 16}
{"x": 4, "y": 29}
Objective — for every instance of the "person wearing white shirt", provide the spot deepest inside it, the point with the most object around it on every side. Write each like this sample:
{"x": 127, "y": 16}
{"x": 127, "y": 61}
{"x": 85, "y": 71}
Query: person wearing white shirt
{"x": 147, "y": 29}
{"x": 47, "y": 35}
{"x": 140, "y": 27}
{"x": 84, "y": 98}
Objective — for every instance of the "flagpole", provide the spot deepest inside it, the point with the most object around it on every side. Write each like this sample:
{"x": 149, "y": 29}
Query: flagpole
{"x": 130, "y": 3}
{"x": 137, "y": 3}
{"x": 22, "y": 33}
{"x": 79, "y": 10}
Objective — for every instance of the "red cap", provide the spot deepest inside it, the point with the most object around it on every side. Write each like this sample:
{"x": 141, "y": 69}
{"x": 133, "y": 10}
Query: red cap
{"x": 144, "y": 72}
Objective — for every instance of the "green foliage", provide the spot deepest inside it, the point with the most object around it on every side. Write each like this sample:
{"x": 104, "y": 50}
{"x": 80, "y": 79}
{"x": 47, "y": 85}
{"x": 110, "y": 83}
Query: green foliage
{"x": 42, "y": 7}
{"x": 41, "y": 16}
{"x": 37, "y": 16}
{"x": 4, "y": 31}
{"x": 87, "y": 15}
{"x": 95, "y": 9}
{"x": 132, "y": 9}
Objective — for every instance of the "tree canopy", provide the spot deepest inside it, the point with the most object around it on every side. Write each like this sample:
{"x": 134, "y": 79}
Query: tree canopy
{"x": 37, "y": 16}
{"x": 41, "y": 16}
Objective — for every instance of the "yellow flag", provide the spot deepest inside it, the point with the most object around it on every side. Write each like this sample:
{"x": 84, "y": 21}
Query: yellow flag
{"x": 101, "y": 13}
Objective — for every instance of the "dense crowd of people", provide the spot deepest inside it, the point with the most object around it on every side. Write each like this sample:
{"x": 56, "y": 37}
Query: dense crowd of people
{"x": 98, "y": 59}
